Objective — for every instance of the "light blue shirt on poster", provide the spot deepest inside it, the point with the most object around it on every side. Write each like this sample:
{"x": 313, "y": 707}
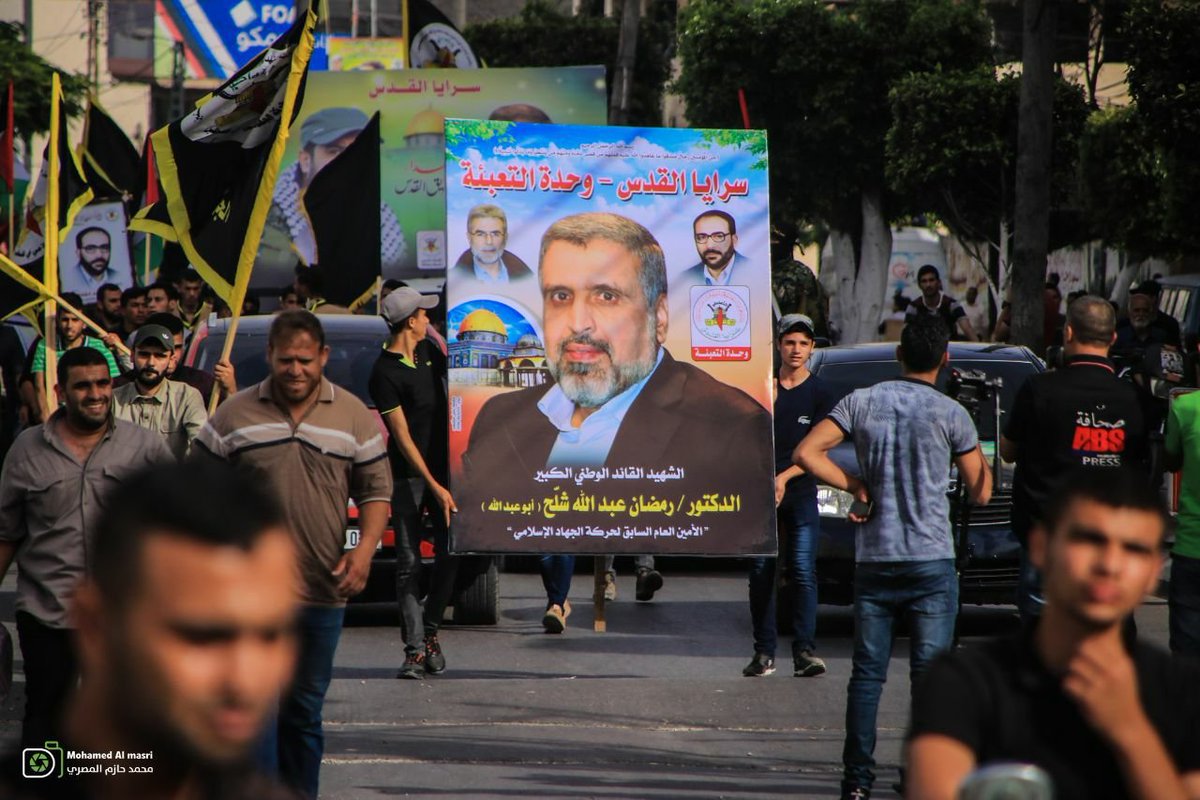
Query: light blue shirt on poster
{"x": 587, "y": 445}
{"x": 906, "y": 433}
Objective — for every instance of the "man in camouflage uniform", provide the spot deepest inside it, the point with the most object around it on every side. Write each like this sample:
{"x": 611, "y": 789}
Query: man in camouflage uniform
{"x": 797, "y": 290}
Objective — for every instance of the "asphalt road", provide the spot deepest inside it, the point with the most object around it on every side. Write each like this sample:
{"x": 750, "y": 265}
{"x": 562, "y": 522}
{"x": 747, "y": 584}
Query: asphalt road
{"x": 654, "y": 708}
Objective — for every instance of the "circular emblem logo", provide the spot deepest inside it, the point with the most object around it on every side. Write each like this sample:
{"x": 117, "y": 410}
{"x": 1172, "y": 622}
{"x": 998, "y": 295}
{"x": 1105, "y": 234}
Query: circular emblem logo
{"x": 720, "y": 315}
{"x": 439, "y": 45}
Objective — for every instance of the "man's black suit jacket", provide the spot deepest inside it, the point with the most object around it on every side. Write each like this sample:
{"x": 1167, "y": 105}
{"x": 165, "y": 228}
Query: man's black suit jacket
{"x": 682, "y": 418}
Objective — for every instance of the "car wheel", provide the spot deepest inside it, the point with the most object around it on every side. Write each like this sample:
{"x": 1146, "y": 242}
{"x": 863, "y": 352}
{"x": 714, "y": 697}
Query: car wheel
{"x": 479, "y": 601}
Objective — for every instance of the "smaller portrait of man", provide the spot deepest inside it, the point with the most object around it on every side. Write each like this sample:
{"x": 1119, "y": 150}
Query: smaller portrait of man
{"x": 93, "y": 265}
{"x": 715, "y": 235}
{"x": 486, "y": 260}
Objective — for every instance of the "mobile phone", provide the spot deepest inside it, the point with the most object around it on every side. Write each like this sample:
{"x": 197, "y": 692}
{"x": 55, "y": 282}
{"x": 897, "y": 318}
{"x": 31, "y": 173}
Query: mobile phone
{"x": 862, "y": 510}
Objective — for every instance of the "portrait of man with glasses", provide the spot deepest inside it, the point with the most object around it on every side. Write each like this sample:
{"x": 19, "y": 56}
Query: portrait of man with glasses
{"x": 486, "y": 260}
{"x": 93, "y": 266}
{"x": 715, "y": 235}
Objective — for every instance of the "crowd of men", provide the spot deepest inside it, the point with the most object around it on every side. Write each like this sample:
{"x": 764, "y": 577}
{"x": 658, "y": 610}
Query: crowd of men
{"x": 230, "y": 623}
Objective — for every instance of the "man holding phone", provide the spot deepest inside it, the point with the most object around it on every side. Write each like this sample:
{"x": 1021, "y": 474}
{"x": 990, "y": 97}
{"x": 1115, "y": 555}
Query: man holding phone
{"x": 905, "y": 433}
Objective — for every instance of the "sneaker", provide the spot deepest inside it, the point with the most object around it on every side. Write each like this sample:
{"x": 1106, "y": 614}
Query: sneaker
{"x": 413, "y": 668}
{"x": 760, "y": 666}
{"x": 649, "y": 581}
{"x": 806, "y": 665}
{"x": 555, "y": 618}
{"x": 610, "y": 587}
{"x": 435, "y": 662}
{"x": 855, "y": 793}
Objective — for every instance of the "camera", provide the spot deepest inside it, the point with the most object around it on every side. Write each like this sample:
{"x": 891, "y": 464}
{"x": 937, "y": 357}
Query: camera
{"x": 972, "y": 388}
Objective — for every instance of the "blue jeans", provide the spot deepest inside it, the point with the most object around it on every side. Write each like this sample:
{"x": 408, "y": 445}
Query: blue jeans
{"x": 801, "y": 525}
{"x": 925, "y": 591}
{"x": 1183, "y": 601}
{"x": 556, "y": 577}
{"x": 297, "y": 738}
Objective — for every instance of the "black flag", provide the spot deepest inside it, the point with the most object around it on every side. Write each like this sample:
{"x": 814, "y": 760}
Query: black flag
{"x": 110, "y": 161}
{"x": 433, "y": 41}
{"x": 342, "y": 203}
{"x": 218, "y": 164}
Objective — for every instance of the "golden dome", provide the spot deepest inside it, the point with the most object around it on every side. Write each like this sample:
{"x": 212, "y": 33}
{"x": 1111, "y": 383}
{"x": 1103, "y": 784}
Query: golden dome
{"x": 482, "y": 321}
{"x": 427, "y": 121}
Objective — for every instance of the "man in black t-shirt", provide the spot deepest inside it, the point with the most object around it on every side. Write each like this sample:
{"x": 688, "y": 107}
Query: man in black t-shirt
{"x": 408, "y": 388}
{"x": 801, "y": 401}
{"x": 1078, "y": 417}
{"x": 934, "y": 303}
{"x": 1104, "y": 717}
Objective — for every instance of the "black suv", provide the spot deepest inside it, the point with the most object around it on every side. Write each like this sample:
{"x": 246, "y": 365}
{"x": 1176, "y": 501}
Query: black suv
{"x": 990, "y": 576}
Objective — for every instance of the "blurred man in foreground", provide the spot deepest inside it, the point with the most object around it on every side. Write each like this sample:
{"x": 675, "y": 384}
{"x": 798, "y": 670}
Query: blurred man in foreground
{"x": 1104, "y": 717}
{"x": 186, "y": 635}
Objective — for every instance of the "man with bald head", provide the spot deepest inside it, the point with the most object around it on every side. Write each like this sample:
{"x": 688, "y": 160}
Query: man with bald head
{"x": 1081, "y": 416}
{"x": 619, "y": 399}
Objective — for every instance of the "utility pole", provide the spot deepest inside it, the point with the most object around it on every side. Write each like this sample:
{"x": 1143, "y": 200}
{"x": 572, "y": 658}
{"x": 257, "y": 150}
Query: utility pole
{"x": 1031, "y": 218}
{"x": 618, "y": 105}
{"x": 178, "y": 99}
{"x": 93, "y": 44}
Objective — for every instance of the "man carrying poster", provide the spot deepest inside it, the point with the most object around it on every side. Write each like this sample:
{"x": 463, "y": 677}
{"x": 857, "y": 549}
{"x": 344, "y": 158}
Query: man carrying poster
{"x": 621, "y": 401}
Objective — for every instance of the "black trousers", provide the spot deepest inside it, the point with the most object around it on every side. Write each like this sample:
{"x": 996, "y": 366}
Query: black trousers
{"x": 51, "y": 672}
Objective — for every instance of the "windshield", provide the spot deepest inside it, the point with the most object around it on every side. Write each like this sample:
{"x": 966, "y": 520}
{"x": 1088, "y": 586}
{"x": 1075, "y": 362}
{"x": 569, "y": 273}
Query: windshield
{"x": 351, "y": 358}
{"x": 843, "y": 378}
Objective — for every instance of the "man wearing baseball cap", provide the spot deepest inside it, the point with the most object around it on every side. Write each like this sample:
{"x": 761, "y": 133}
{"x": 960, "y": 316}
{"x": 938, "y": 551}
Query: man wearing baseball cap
{"x": 801, "y": 400}
{"x": 324, "y": 135}
{"x": 408, "y": 388}
{"x": 173, "y": 410}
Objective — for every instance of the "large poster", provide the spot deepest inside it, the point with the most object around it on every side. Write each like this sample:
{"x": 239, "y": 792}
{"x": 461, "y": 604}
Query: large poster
{"x": 413, "y": 105}
{"x": 609, "y": 328}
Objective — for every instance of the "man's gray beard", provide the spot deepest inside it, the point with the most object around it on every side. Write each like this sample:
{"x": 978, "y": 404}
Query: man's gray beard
{"x": 496, "y": 257}
{"x": 591, "y": 385}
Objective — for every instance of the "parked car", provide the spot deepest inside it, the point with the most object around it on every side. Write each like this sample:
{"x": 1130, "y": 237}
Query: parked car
{"x": 990, "y": 576}
{"x": 1180, "y": 299}
{"x": 354, "y": 342}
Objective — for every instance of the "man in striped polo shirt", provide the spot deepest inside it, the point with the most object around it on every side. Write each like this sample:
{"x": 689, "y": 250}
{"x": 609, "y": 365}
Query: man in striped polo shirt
{"x": 320, "y": 447}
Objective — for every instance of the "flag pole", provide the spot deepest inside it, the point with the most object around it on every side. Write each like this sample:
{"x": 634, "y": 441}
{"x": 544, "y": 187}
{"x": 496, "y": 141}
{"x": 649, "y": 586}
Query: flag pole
{"x": 11, "y": 160}
{"x": 408, "y": 62}
{"x": 50, "y": 243}
{"x": 13, "y": 270}
{"x": 148, "y": 241}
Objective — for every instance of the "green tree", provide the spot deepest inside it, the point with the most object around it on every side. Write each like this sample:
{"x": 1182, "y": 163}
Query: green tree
{"x": 952, "y": 150}
{"x": 1161, "y": 157}
{"x": 818, "y": 80}
{"x": 30, "y": 75}
{"x": 542, "y": 37}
